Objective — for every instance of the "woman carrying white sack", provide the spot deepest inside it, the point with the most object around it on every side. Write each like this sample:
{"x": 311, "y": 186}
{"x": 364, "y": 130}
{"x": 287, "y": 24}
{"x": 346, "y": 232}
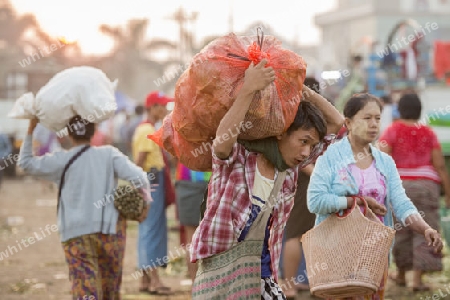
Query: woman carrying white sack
{"x": 84, "y": 91}
{"x": 91, "y": 230}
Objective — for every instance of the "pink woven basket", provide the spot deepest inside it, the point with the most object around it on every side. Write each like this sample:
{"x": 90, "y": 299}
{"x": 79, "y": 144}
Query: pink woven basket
{"x": 346, "y": 256}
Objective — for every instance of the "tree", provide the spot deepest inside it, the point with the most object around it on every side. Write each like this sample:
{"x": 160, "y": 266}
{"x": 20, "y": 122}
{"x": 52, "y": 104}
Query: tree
{"x": 29, "y": 57}
{"x": 22, "y": 36}
{"x": 131, "y": 61}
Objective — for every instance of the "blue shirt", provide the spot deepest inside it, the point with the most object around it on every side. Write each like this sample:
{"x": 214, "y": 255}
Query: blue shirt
{"x": 5, "y": 146}
{"x": 87, "y": 200}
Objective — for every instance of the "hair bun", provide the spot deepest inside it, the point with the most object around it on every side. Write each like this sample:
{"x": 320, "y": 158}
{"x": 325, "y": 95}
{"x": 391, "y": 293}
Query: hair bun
{"x": 80, "y": 128}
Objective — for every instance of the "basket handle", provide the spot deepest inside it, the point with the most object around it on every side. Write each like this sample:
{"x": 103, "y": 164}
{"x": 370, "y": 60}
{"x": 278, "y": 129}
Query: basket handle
{"x": 349, "y": 210}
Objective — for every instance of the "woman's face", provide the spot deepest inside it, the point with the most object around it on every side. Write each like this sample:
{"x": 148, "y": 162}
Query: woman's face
{"x": 365, "y": 125}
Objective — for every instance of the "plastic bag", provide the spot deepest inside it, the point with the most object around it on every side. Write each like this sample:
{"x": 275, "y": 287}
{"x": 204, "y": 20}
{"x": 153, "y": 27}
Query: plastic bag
{"x": 84, "y": 91}
{"x": 24, "y": 107}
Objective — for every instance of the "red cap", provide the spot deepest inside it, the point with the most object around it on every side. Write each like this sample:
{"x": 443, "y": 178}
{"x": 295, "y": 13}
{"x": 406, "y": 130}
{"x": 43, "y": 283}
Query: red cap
{"x": 157, "y": 98}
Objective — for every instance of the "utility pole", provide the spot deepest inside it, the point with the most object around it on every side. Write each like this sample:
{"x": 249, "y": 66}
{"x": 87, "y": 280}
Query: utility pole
{"x": 186, "y": 38}
{"x": 231, "y": 17}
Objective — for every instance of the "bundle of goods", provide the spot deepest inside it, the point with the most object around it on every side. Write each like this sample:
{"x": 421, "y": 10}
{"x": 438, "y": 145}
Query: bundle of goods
{"x": 207, "y": 89}
{"x": 84, "y": 91}
{"x": 129, "y": 201}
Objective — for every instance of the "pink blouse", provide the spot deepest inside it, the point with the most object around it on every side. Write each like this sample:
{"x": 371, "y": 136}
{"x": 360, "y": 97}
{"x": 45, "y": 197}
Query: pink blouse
{"x": 371, "y": 183}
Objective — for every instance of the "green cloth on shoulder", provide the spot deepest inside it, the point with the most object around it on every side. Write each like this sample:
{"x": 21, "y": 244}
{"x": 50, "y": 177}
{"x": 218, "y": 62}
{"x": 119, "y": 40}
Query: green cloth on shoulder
{"x": 269, "y": 148}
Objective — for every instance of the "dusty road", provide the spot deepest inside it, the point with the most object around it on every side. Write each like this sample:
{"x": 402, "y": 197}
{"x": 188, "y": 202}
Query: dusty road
{"x": 38, "y": 271}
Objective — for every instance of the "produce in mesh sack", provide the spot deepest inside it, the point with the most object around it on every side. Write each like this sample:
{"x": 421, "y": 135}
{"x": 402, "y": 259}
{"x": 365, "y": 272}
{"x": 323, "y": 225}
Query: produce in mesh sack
{"x": 84, "y": 91}
{"x": 129, "y": 202}
{"x": 195, "y": 156}
{"x": 208, "y": 88}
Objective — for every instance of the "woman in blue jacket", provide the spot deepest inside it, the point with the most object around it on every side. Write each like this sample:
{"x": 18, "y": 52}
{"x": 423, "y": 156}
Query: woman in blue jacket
{"x": 354, "y": 167}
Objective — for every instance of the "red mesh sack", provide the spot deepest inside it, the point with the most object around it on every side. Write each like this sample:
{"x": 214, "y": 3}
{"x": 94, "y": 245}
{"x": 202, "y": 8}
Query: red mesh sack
{"x": 208, "y": 88}
{"x": 195, "y": 156}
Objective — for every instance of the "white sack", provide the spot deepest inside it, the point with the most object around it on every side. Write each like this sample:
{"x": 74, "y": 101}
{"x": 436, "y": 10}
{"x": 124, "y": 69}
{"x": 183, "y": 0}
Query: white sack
{"x": 84, "y": 91}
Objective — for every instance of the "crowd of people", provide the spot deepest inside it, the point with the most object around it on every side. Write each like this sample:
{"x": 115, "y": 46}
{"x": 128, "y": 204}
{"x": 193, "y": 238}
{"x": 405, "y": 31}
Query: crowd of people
{"x": 289, "y": 173}
{"x": 5, "y": 150}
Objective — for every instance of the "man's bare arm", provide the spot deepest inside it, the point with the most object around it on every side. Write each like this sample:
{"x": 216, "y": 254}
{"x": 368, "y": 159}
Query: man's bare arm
{"x": 332, "y": 116}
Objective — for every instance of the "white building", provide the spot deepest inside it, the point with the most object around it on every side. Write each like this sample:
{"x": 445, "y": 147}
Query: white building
{"x": 355, "y": 24}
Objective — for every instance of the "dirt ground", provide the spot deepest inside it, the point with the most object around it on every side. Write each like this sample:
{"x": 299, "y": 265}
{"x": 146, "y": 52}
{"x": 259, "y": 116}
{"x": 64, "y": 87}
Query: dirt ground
{"x": 39, "y": 271}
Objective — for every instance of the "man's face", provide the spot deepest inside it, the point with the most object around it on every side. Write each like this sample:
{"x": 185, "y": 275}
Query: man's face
{"x": 157, "y": 111}
{"x": 296, "y": 146}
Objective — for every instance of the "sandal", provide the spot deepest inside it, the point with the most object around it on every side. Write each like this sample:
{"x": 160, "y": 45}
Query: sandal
{"x": 421, "y": 288}
{"x": 162, "y": 290}
{"x": 145, "y": 283}
{"x": 300, "y": 287}
{"x": 398, "y": 282}
{"x": 291, "y": 295}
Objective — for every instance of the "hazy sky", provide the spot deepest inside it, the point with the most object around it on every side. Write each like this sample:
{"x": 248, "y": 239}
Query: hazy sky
{"x": 79, "y": 20}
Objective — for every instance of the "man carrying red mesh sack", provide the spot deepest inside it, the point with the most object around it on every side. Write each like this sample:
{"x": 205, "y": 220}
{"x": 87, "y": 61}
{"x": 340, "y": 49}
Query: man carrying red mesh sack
{"x": 250, "y": 195}
{"x": 206, "y": 91}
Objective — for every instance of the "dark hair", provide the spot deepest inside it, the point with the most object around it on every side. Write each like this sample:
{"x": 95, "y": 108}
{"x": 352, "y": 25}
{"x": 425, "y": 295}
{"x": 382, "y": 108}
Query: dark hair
{"x": 312, "y": 83}
{"x": 357, "y": 58}
{"x": 357, "y": 102}
{"x": 386, "y": 99}
{"x": 308, "y": 116}
{"x": 409, "y": 106}
{"x": 80, "y": 129}
{"x": 139, "y": 110}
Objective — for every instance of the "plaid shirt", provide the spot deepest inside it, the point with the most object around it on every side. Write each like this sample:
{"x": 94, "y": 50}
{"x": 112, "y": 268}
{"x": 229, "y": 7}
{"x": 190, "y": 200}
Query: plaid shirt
{"x": 229, "y": 207}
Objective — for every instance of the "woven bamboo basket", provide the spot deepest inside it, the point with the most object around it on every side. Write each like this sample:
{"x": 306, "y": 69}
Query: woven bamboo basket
{"x": 347, "y": 255}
